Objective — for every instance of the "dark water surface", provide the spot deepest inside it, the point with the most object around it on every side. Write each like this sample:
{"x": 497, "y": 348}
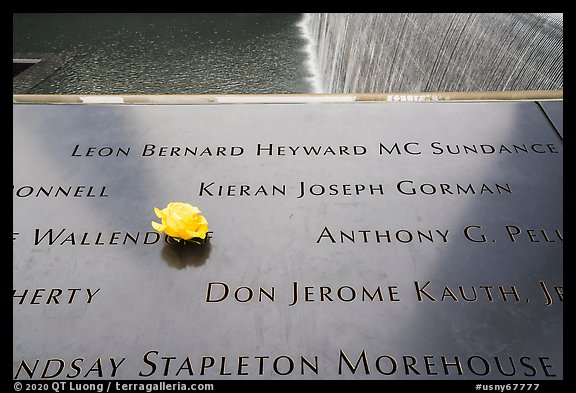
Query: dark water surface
{"x": 181, "y": 53}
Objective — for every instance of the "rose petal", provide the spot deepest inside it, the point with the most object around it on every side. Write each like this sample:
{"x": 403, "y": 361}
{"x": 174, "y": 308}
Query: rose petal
{"x": 159, "y": 227}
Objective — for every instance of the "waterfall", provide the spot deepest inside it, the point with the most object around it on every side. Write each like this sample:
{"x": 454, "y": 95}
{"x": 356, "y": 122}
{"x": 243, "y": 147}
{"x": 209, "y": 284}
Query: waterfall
{"x": 380, "y": 53}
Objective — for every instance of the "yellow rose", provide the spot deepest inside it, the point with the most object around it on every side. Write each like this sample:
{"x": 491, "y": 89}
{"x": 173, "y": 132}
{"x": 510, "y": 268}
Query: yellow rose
{"x": 181, "y": 220}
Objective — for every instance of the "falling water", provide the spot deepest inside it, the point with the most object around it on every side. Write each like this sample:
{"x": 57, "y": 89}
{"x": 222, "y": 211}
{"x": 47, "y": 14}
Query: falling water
{"x": 368, "y": 53}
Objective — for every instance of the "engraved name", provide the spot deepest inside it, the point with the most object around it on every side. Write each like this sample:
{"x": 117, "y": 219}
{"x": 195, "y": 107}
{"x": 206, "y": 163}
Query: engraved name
{"x": 67, "y": 237}
{"x": 154, "y": 364}
{"x": 421, "y": 292}
{"x": 54, "y": 295}
{"x": 77, "y": 191}
{"x": 303, "y": 189}
{"x": 411, "y": 148}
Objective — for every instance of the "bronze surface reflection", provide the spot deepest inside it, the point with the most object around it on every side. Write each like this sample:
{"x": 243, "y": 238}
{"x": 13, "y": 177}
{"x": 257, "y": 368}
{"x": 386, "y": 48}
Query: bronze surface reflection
{"x": 180, "y": 256}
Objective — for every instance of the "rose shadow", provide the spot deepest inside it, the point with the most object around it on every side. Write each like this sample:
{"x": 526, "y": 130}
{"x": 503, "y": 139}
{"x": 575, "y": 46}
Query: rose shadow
{"x": 180, "y": 256}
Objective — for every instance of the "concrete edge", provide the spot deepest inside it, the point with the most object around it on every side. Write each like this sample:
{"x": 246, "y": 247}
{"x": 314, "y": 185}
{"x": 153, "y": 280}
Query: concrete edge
{"x": 175, "y": 99}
